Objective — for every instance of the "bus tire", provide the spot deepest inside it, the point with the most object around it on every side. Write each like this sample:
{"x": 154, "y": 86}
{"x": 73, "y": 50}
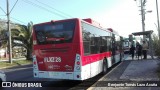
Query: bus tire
{"x": 105, "y": 66}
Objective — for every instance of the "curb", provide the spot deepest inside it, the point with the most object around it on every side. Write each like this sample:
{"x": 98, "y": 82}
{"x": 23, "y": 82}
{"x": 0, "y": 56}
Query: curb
{"x": 3, "y": 60}
{"x": 92, "y": 87}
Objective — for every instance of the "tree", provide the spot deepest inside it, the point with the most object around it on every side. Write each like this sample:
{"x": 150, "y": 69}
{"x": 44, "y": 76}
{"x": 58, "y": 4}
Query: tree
{"x": 3, "y": 38}
{"x": 23, "y": 34}
{"x": 156, "y": 45}
{"x": 4, "y": 32}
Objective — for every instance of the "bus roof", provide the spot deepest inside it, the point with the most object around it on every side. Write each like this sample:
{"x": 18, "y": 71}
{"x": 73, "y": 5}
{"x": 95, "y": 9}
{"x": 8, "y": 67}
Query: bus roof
{"x": 89, "y": 20}
{"x": 52, "y": 21}
{"x": 115, "y": 32}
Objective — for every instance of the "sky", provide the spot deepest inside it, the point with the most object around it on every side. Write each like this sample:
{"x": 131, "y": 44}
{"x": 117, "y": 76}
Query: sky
{"x": 120, "y": 15}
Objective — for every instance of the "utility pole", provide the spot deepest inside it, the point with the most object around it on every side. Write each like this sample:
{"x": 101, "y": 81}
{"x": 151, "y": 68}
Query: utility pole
{"x": 158, "y": 19}
{"x": 143, "y": 16}
{"x": 9, "y": 33}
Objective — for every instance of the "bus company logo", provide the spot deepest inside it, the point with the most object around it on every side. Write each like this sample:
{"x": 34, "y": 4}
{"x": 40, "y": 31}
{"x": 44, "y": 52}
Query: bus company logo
{"x": 52, "y": 59}
{"x": 50, "y": 67}
{"x": 54, "y": 67}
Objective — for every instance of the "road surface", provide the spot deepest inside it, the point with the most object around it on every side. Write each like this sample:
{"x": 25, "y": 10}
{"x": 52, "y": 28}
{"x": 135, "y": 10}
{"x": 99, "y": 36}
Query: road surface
{"x": 24, "y": 74}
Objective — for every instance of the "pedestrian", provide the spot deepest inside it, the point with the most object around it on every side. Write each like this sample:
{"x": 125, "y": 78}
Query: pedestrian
{"x": 132, "y": 51}
{"x": 137, "y": 43}
{"x": 144, "y": 49}
{"x": 139, "y": 50}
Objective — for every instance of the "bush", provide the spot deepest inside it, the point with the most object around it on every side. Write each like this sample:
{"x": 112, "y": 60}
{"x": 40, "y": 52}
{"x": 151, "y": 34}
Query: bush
{"x": 156, "y": 45}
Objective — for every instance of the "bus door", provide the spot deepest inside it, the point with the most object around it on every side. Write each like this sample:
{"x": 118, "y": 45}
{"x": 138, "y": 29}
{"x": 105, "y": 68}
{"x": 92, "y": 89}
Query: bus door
{"x": 113, "y": 49}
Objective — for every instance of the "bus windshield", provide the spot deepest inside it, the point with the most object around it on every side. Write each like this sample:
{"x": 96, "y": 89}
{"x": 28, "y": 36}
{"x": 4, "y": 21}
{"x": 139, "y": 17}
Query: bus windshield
{"x": 56, "y": 32}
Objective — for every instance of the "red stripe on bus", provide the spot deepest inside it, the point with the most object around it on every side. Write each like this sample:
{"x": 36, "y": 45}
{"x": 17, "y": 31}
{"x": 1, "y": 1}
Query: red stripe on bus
{"x": 94, "y": 57}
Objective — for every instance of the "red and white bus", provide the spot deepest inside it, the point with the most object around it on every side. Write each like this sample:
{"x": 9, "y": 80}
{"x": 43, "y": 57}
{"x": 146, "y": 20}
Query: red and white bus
{"x": 74, "y": 49}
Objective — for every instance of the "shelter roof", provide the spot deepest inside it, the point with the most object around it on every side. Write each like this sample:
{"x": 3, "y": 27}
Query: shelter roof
{"x": 143, "y": 33}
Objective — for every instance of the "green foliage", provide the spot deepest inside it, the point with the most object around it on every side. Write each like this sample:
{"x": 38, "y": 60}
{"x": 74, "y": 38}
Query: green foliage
{"x": 3, "y": 38}
{"x": 4, "y": 31}
{"x": 156, "y": 45}
{"x": 24, "y": 34}
{"x": 15, "y": 63}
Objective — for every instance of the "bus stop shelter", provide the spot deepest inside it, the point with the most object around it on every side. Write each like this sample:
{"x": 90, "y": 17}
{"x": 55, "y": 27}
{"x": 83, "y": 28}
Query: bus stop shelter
{"x": 148, "y": 35}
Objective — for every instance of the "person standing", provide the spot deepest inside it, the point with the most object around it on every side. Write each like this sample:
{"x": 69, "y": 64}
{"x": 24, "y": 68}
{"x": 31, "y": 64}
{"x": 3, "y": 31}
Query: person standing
{"x": 132, "y": 51}
{"x": 144, "y": 49}
{"x": 139, "y": 50}
{"x": 137, "y": 44}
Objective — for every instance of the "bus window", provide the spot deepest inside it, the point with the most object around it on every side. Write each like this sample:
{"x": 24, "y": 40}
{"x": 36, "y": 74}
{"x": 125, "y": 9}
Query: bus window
{"x": 57, "y": 32}
{"x": 103, "y": 44}
{"x": 86, "y": 41}
{"x": 109, "y": 44}
{"x": 95, "y": 38}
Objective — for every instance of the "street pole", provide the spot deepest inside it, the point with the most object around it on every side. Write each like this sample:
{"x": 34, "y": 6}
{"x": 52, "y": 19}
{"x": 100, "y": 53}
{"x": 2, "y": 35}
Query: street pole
{"x": 9, "y": 33}
{"x": 158, "y": 19}
{"x": 143, "y": 17}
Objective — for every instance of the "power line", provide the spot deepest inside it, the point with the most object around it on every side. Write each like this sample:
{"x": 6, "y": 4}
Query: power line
{"x": 29, "y": 2}
{"x": 14, "y": 21}
{"x": 13, "y": 6}
{"x": 3, "y": 10}
{"x": 18, "y": 20}
{"x": 11, "y": 9}
{"x": 54, "y": 8}
{"x": 2, "y": 15}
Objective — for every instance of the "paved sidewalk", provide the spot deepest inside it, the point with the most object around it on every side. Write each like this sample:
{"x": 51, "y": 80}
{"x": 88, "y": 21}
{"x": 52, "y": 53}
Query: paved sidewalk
{"x": 135, "y": 71}
{"x": 142, "y": 70}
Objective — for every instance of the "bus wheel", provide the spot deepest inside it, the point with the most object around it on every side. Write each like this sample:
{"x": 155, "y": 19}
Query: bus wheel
{"x": 105, "y": 66}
